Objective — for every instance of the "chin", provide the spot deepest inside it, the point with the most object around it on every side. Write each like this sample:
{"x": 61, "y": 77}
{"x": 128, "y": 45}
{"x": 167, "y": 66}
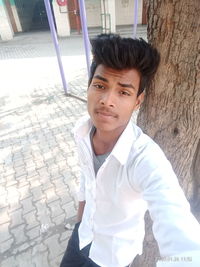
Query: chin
{"x": 105, "y": 127}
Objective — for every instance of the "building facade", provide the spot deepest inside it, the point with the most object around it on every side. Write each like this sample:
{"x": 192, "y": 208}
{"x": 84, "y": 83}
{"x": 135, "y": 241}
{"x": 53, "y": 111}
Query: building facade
{"x": 22, "y": 15}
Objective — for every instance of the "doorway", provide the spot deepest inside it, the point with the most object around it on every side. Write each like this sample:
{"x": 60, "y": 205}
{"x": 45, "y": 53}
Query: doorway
{"x": 74, "y": 15}
{"x": 39, "y": 19}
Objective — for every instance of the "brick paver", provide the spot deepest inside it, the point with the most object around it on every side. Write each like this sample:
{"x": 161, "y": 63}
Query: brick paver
{"x": 37, "y": 157}
{"x": 38, "y": 160}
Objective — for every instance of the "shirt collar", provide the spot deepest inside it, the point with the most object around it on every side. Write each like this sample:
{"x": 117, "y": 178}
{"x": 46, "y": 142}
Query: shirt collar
{"x": 123, "y": 146}
{"x": 82, "y": 127}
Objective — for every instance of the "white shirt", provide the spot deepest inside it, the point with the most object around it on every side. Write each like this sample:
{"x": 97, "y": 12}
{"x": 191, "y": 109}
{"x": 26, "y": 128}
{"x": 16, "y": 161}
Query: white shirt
{"x": 136, "y": 176}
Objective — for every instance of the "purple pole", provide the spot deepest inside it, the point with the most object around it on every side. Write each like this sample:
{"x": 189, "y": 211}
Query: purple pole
{"x": 135, "y": 18}
{"x": 85, "y": 33}
{"x": 55, "y": 41}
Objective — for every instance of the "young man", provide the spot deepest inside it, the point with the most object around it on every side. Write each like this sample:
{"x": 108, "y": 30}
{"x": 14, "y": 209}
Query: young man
{"x": 124, "y": 172}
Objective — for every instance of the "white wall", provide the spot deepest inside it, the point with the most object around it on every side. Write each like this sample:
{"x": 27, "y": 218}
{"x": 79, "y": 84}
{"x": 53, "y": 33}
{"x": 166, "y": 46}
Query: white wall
{"x": 62, "y": 20}
{"x": 125, "y": 12}
{"x": 16, "y": 17}
{"x": 6, "y": 31}
{"x": 93, "y": 11}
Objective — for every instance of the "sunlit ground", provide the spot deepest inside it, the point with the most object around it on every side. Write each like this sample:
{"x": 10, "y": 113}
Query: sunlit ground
{"x": 38, "y": 163}
{"x": 24, "y": 80}
{"x": 21, "y": 75}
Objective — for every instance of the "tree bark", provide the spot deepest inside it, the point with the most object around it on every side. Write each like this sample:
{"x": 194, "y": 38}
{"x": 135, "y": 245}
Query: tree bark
{"x": 171, "y": 111}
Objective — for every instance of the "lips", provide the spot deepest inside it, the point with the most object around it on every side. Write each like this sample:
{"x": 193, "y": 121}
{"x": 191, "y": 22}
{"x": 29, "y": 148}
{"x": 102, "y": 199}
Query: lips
{"x": 105, "y": 113}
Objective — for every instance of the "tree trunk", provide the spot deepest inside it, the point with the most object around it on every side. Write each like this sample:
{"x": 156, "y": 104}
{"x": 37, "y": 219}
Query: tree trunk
{"x": 171, "y": 111}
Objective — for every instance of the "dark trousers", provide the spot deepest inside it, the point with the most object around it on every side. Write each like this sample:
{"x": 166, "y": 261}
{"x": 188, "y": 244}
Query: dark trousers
{"x": 74, "y": 257}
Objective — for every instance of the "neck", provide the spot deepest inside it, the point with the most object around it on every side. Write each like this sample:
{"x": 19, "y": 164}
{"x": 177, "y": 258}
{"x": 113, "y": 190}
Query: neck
{"x": 104, "y": 141}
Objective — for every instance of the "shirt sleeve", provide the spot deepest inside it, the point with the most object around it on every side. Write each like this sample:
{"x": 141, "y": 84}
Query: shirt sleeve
{"x": 175, "y": 228}
{"x": 81, "y": 191}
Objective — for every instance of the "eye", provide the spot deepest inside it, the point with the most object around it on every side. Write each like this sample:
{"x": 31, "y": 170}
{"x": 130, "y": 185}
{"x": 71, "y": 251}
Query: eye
{"x": 126, "y": 93}
{"x": 98, "y": 86}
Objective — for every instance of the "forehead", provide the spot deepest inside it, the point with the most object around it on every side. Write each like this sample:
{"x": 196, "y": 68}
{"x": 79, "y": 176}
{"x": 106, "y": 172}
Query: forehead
{"x": 128, "y": 75}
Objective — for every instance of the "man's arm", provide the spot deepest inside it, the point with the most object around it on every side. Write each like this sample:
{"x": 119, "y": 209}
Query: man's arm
{"x": 81, "y": 198}
{"x": 175, "y": 228}
{"x": 81, "y": 206}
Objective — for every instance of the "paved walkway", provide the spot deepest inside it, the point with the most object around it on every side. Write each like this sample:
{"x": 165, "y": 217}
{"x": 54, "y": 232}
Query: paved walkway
{"x": 38, "y": 160}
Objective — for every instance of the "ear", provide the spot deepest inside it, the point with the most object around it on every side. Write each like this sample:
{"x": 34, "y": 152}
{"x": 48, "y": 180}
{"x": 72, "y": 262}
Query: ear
{"x": 139, "y": 101}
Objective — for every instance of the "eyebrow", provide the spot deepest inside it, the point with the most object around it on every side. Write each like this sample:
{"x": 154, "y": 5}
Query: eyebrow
{"x": 101, "y": 78}
{"x": 125, "y": 85}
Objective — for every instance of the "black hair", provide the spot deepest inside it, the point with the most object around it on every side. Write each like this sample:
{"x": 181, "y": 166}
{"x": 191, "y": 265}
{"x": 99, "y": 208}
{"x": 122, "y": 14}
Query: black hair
{"x": 119, "y": 53}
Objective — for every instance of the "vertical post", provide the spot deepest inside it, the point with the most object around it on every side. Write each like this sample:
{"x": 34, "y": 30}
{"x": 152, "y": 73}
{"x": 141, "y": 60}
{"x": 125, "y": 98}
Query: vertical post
{"x": 55, "y": 41}
{"x": 77, "y": 16}
{"x": 135, "y": 18}
{"x": 85, "y": 33}
{"x": 6, "y": 30}
{"x": 111, "y": 15}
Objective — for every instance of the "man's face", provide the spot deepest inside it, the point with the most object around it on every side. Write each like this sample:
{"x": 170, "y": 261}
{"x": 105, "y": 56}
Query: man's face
{"x": 112, "y": 97}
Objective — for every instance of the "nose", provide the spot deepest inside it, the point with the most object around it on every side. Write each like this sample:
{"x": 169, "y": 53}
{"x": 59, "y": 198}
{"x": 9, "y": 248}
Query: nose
{"x": 107, "y": 99}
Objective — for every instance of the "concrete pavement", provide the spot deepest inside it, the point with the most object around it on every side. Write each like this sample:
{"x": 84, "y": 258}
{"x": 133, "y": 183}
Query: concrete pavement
{"x": 38, "y": 161}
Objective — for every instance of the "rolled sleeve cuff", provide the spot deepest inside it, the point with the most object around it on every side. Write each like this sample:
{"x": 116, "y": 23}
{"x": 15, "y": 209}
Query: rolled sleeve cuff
{"x": 81, "y": 196}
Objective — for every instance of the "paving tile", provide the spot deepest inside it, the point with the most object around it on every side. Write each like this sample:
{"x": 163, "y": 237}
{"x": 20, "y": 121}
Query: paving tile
{"x": 3, "y": 201}
{"x": 41, "y": 259}
{"x": 19, "y": 234}
{"x": 14, "y": 204}
{"x": 53, "y": 246}
{"x": 4, "y": 217}
{"x": 6, "y": 245}
{"x": 4, "y": 232}
{"x": 24, "y": 191}
{"x": 70, "y": 210}
{"x": 27, "y": 204}
{"x": 37, "y": 193}
{"x": 24, "y": 259}
{"x": 16, "y": 217}
{"x": 9, "y": 262}
{"x": 31, "y": 220}
{"x": 58, "y": 220}
{"x": 39, "y": 171}
{"x": 51, "y": 194}
{"x": 33, "y": 233}
{"x": 55, "y": 208}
